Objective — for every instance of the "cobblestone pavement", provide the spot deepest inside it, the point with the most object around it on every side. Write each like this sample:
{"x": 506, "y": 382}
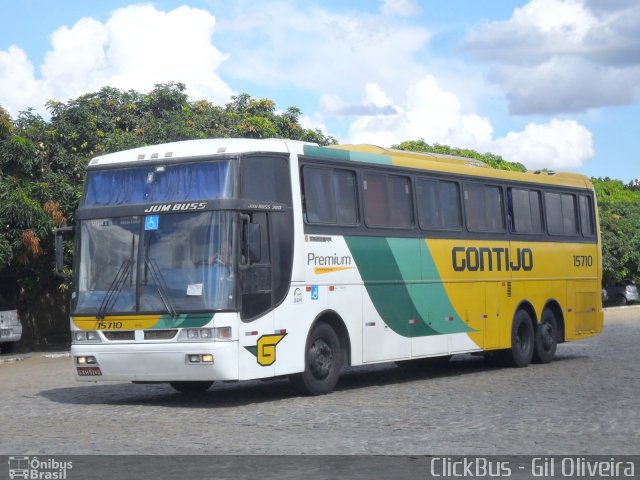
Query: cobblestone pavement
{"x": 586, "y": 402}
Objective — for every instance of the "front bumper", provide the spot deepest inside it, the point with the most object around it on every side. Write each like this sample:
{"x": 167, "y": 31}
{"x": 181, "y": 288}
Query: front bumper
{"x": 11, "y": 333}
{"x": 158, "y": 362}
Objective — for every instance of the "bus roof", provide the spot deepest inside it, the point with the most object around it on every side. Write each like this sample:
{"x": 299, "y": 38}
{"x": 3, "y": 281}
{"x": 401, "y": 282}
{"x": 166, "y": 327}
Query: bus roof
{"x": 452, "y": 164}
{"x": 197, "y": 148}
{"x": 358, "y": 153}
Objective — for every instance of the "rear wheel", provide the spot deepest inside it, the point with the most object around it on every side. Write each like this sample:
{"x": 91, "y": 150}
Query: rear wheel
{"x": 522, "y": 341}
{"x": 191, "y": 387}
{"x": 546, "y": 340}
{"x": 620, "y": 301}
{"x": 323, "y": 362}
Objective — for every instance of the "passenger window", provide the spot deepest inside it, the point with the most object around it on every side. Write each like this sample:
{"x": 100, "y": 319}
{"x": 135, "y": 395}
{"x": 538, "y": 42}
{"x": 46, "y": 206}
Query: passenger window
{"x": 586, "y": 216}
{"x": 344, "y": 183}
{"x": 387, "y": 201}
{"x": 400, "y": 210}
{"x": 376, "y": 212}
{"x": 561, "y": 213}
{"x": 329, "y": 196}
{"x": 484, "y": 208}
{"x": 526, "y": 211}
{"x": 438, "y": 204}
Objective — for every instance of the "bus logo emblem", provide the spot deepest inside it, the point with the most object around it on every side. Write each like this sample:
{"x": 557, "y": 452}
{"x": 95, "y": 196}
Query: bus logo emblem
{"x": 265, "y": 349}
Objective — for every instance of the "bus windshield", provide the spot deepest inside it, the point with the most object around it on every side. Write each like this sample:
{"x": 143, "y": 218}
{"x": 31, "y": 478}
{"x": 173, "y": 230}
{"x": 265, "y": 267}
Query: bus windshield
{"x": 160, "y": 183}
{"x": 163, "y": 263}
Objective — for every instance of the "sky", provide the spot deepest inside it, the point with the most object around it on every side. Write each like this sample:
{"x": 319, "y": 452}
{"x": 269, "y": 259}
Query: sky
{"x": 547, "y": 83}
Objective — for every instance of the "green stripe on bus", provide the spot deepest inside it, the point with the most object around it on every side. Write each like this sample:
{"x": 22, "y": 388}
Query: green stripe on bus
{"x": 185, "y": 320}
{"x": 391, "y": 269}
{"x": 385, "y": 285}
{"x": 427, "y": 293}
{"x": 346, "y": 155}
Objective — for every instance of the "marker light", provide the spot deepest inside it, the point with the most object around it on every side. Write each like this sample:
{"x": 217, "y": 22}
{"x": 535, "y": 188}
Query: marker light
{"x": 86, "y": 336}
{"x": 222, "y": 333}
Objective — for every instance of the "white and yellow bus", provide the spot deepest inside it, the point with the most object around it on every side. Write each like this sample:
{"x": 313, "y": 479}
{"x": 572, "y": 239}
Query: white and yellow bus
{"x": 235, "y": 259}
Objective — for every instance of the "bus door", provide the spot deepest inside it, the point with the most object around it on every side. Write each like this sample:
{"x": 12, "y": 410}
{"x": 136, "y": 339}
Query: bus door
{"x": 256, "y": 292}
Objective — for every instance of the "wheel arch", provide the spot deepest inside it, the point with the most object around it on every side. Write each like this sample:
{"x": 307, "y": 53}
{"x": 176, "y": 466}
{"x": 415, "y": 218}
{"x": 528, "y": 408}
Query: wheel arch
{"x": 336, "y": 322}
{"x": 527, "y": 306}
{"x": 554, "y": 306}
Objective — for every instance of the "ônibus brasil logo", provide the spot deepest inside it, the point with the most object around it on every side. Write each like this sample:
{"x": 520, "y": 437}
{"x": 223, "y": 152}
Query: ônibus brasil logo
{"x": 34, "y": 468}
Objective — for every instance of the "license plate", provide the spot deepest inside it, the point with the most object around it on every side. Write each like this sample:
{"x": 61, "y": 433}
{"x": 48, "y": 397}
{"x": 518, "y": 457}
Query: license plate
{"x": 5, "y": 333}
{"x": 89, "y": 371}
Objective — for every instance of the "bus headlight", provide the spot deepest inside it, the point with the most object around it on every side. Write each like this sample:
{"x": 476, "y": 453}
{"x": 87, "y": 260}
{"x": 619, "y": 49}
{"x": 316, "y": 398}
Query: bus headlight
{"x": 196, "y": 335}
{"x": 204, "y": 334}
{"x": 86, "y": 336}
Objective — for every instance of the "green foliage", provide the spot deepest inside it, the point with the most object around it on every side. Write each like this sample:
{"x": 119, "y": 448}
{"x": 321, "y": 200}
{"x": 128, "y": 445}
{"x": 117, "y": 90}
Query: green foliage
{"x": 494, "y": 161}
{"x": 619, "y": 208}
{"x": 43, "y": 163}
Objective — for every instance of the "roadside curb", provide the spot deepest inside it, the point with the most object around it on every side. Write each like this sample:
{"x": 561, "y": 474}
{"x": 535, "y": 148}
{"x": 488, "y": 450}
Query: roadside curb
{"x": 21, "y": 357}
{"x": 13, "y": 359}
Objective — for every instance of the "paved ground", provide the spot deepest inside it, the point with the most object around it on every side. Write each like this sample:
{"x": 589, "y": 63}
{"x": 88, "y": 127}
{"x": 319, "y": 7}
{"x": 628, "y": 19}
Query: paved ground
{"x": 588, "y": 401}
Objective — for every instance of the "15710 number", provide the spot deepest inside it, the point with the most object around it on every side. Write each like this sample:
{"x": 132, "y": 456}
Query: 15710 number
{"x": 108, "y": 325}
{"x": 582, "y": 261}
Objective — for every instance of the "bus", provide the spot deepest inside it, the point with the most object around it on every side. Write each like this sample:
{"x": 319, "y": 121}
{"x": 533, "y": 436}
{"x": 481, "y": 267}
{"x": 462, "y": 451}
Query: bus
{"x": 238, "y": 259}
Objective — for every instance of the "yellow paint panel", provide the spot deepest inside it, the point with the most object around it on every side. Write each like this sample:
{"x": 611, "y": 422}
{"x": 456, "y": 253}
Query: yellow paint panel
{"x": 513, "y": 272}
{"x": 116, "y": 322}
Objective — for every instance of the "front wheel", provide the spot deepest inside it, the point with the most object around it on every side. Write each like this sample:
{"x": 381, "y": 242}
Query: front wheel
{"x": 191, "y": 387}
{"x": 323, "y": 362}
{"x": 546, "y": 338}
{"x": 522, "y": 341}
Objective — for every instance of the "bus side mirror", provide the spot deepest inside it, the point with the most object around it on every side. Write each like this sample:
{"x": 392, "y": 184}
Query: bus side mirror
{"x": 59, "y": 250}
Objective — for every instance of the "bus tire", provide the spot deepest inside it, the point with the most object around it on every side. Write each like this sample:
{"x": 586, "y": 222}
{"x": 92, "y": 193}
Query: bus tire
{"x": 522, "y": 341}
{"x": 323, "y": 362}
{"x": 191, "y": 387}
{"x": 546, "y": 340}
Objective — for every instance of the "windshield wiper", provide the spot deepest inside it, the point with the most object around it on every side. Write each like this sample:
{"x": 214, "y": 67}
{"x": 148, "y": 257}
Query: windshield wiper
{"x": 161, "y": 285}
{"x": 115, "y": 288}
{"x": 117, "y": 283}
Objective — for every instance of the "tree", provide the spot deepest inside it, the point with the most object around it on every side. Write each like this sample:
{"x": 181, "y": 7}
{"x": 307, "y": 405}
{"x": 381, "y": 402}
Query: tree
{"x": 619, "y": 209}
{"x": 492, "y": 160}
{"x": 43, "y": 163}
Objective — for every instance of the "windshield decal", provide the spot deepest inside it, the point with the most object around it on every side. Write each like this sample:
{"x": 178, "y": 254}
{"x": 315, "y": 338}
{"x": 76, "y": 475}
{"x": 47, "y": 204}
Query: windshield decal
{"x": 151, "y": 222}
